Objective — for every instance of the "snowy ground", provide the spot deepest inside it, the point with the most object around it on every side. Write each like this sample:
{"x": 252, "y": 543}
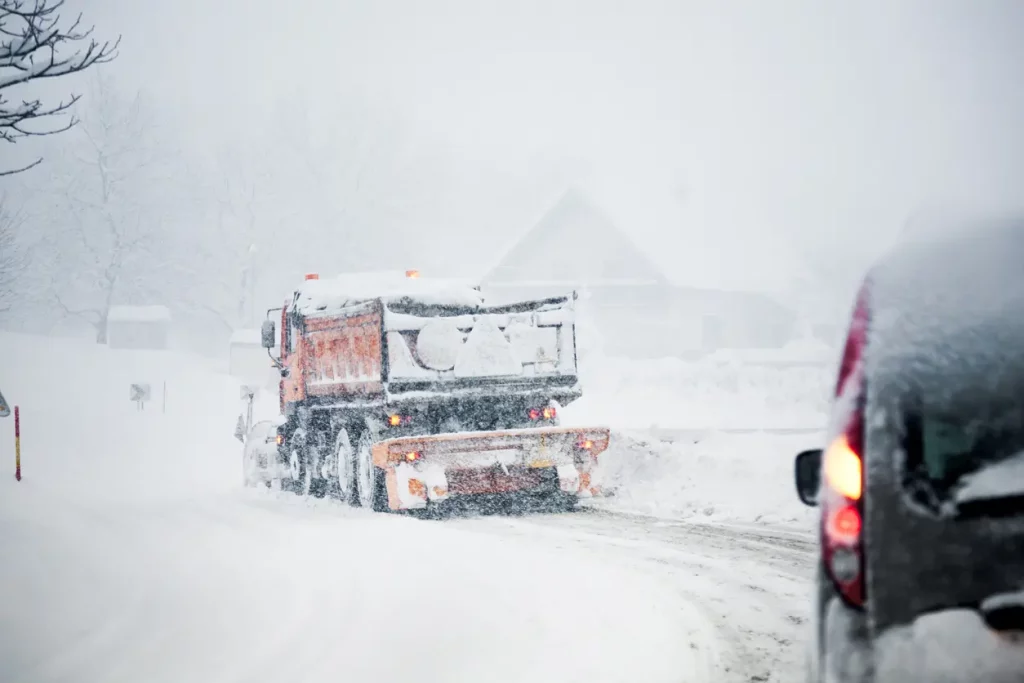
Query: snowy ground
{"x": 131, "y": 553}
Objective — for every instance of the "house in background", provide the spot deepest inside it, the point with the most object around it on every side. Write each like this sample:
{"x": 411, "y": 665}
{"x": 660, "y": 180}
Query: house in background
{"x": 636, "y": 308}
{"x": 138, "y": 327}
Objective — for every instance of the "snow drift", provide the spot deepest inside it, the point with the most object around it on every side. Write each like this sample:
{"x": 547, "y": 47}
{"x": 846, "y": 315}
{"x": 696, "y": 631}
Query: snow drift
{"x": 740, "y": 478}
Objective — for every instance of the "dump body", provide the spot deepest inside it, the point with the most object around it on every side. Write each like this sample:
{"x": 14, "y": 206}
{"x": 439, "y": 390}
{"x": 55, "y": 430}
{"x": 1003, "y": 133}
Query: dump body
{"x": 430, "y": 364}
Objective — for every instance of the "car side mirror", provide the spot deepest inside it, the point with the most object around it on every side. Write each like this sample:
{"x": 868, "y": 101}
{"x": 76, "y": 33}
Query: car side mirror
{"x": 268, "y": 336}
{"x": 807, "y": 469}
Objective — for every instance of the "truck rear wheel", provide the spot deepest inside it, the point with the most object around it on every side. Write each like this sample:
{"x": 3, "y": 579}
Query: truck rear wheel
{"x": 345, "y": 466}
{"x": 371, "y": 491}
{"x": 300, "y": 477}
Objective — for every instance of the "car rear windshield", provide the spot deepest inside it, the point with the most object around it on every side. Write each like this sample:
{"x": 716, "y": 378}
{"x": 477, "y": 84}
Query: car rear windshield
{"x": 943, "y": 450}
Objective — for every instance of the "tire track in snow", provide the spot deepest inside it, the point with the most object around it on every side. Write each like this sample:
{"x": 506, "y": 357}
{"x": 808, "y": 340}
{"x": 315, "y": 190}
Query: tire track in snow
{"x": 747, "y": 585}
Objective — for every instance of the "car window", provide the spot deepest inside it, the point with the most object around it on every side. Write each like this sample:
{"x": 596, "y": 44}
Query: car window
{"x": 948, "y": 449}
{"x": 943, "y": 450}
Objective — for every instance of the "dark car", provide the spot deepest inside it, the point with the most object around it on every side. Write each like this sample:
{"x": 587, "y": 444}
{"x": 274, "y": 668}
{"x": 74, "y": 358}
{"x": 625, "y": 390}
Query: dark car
{"x": 921, "y": 484}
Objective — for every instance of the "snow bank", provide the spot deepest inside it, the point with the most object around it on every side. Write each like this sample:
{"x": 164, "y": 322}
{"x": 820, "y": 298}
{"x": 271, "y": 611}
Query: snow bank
{"x": 741, "y": 478}
{"x": 82, "y": 435}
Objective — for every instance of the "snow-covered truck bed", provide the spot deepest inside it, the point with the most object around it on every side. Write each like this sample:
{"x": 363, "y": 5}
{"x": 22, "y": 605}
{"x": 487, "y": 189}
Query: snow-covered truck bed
{"x": 401, "y": 393}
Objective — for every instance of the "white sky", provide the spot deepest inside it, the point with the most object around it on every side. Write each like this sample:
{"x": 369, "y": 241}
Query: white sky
{"x": 731, "y": 139}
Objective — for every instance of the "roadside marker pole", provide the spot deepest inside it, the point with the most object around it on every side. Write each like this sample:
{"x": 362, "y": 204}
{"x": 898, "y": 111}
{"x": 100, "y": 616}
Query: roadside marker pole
{"x": 17, "y": 443}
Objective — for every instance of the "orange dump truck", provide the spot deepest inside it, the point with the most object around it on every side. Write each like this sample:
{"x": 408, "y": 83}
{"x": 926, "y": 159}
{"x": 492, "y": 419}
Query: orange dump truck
{"x": 402, "y": 393}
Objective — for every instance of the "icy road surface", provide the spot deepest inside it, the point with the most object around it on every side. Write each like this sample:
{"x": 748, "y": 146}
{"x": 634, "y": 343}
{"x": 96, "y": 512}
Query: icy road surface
{"x": 257, "y": 586}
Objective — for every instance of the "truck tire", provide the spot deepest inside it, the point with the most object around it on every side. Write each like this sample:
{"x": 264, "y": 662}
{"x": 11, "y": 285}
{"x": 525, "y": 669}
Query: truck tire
{"x": 345, "y": 468}
{"x": 315, "y": 453}
{"x": 300, "y": 477}
{"x": 371, "y": 491}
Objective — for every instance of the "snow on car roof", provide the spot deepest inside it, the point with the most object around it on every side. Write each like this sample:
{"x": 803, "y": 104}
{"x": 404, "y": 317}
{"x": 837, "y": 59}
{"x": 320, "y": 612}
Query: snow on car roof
{"x": 139, "y": 314}
{"x": 322, "y": 295}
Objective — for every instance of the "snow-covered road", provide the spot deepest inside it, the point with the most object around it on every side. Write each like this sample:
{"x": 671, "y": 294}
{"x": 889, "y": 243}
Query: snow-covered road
{"x": 257, "y": 586}
{"x": 130, "y": 552}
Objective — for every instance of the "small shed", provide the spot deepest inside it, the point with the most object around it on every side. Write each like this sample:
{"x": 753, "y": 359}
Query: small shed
{"x": 247, "y": 359}
{"x": 138, "y": 327}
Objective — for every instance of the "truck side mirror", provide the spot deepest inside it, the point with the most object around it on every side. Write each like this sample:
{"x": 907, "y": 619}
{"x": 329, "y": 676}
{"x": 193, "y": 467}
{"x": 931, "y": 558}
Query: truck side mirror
{"x": 807, "y": 469}
{"x": 268, "y": 336}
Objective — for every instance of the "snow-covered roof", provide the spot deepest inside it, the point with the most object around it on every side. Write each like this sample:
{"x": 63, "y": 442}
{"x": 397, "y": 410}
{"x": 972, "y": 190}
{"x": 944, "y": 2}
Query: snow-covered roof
{"x": 392, "y": 286}
{"x": 246, "y": 337}
{"x": 574, "y": 243}
{"x": 147, "y": 314}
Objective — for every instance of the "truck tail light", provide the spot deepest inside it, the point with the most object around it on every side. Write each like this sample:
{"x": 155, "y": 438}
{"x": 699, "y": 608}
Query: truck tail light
{"x": 399, "y": 420}
{"x": 842, "y": 513}
{"x": 545, "y": 413}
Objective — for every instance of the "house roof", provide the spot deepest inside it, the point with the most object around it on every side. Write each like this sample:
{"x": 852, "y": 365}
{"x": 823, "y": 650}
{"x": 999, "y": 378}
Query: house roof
{"x": 575, "y": 243}
{"x": 140, "y": 314}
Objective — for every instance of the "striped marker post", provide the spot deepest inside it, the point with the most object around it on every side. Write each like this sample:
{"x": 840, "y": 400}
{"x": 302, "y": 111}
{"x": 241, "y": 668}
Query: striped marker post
{"x": 17, "y": 443}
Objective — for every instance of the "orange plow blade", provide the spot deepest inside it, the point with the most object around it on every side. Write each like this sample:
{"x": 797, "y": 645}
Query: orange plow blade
{"x": 433, "y": 468}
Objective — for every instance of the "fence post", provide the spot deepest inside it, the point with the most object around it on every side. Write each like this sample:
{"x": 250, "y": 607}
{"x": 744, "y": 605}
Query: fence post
{"x": 17, "y": 443}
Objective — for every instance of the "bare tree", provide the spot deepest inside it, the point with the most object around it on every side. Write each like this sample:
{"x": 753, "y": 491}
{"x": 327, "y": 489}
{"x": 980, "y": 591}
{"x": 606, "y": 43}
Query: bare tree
{"x": 113, "y": 193}
{"x": 11, "y": 257}
{"x": 35, "y": 47}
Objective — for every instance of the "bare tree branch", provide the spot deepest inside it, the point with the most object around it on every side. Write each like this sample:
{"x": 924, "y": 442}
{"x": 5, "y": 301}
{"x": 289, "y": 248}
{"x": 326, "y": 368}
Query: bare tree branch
{"x": 34, "y": 47}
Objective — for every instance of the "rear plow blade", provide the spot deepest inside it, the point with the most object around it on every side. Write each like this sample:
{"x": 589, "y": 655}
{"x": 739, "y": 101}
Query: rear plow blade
{"x": 431, "y": 469}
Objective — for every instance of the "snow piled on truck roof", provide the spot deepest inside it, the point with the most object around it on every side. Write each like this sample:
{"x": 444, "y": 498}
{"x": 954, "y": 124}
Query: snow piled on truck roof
{"x": 317, "y": 296}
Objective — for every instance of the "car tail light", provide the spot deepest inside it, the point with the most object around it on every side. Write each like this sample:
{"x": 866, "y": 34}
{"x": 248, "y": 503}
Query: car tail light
{"x": 842, "y": 465}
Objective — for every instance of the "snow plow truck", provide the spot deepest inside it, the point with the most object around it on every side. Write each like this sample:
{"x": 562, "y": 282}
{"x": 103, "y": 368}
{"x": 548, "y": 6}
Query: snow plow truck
{"x": 401, "y": 393}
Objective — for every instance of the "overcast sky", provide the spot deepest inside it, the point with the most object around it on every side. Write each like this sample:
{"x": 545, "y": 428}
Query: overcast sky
{"x": 732, "y": 139}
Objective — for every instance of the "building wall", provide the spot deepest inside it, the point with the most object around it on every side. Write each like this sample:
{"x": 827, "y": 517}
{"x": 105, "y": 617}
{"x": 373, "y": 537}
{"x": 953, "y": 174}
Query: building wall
{"x": 137, "y": 334}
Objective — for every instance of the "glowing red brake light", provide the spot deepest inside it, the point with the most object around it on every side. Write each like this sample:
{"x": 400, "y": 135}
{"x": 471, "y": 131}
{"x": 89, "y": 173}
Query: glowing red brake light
{"x": 534, "y": 414}
{"x": 845, "y": 523}
{"x": 413, "y": 456}
{"x": 842, "y": 465}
